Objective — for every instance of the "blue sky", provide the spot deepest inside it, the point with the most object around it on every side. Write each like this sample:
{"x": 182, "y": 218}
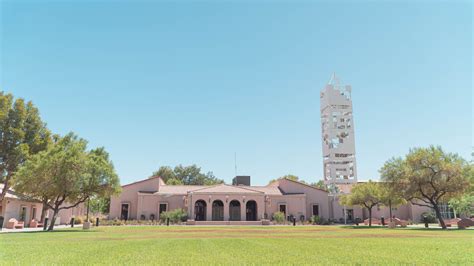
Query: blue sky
{"x": 161, "y": 83}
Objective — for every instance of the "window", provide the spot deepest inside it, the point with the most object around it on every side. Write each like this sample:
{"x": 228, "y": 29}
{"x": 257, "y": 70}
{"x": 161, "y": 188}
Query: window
{"x": 446, "y": 211}
{"x": 315, "y": 210}
{"x": 350, "y": 214}
{"x": 163, "y": 207}
{"x": 33, "y": 213}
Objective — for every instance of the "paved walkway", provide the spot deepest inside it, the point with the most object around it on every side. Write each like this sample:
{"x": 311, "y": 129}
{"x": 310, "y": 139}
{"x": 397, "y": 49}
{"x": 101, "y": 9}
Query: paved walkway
{"x": 4, "y": 230}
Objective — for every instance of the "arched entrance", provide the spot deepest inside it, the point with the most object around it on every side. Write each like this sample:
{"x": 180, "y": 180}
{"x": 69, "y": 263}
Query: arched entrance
{"x": 251, "y": 210}
{"x": 217, "y": 210}
{"x": 234, "y": 210}
{"x": 200, "y": 210}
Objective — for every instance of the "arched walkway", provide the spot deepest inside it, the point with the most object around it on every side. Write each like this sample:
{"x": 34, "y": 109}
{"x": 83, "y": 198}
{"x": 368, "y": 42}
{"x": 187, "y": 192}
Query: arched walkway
{"x": 251, "y": 210}
{"x": 200, "y": 210}
{"x": 234, "y": 210}
{"x": 217, "y": 210}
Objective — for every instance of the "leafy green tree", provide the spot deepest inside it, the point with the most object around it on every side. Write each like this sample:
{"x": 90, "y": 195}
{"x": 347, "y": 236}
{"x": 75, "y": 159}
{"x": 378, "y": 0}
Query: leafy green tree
{"x": 66, "y": 175}
{"x": 320, "y": 184}
{"x": 428, "y": 177}
{"x": 22, "y": 134}
{"x": 166, "y": 173}
{"x": 99, "y": 205}
{"x": 463, "y": 205}
{"x": 174, "y": 181}
{"x": 186, "y": 175}
{"x": 366, "y": 195}
{"x": 289, "y": 176}
{"x": 391, "y": 197}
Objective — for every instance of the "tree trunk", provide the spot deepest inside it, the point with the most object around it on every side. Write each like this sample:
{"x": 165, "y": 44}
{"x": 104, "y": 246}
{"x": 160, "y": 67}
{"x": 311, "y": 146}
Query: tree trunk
{"x": 370, "y": 217}
{"x": 390, "y": 206}
{"x": 44, "y": 211}
{"x": 5, "y": 189}
{"x": 53, "y": 219}
{"x": 438, "y": 214}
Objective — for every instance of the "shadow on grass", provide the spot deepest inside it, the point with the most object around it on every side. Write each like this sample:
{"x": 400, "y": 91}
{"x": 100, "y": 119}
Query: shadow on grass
{"x": 398, "y": 228}
{"x": 71, "y": 230}
{"x": 362, "y": 227}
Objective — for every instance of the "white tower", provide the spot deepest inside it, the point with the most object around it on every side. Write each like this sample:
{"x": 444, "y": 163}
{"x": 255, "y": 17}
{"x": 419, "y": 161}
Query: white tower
{"x": 337, "y": 126}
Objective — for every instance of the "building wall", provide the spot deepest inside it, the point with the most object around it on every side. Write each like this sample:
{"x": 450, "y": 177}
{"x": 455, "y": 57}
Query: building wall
{"x": 64, "y": 216}
{"x": 129, "y": 195}
{"x": 313, "y": 196}
{"x": 404, "y": 212}
{"x": 149, "y": 204}
{"x": 13, "y": 207}
{"x": 415, "y": 212}
{"x": 295, "y": 205}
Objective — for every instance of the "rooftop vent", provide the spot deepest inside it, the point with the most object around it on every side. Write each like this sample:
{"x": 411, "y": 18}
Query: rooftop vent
{"x": 241, "y": 180}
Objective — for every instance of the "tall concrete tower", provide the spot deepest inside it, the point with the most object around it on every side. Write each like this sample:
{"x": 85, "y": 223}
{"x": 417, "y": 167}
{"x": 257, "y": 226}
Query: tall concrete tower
{"x": 337, "y": 126}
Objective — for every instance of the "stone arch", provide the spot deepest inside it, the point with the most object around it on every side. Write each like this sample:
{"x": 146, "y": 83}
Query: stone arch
{"x": 234, "y": 210}
{"x": 217, "y": 210}
{"x": 200, "y": 210}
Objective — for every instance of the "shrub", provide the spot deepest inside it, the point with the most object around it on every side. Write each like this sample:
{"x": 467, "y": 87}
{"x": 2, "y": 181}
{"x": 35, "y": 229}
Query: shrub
{"x": 175, "y": 216}
{"x": 358, "y": 220}
{"x": 429, "y": 216}
{"x": 315, "y": 219}
{"x": 325, "y": 222}
{"x": 78, "y": 220}
{"x": 279, "y": 217}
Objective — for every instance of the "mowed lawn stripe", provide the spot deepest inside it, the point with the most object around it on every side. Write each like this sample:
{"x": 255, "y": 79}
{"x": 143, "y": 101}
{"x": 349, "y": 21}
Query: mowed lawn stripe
{"x": 238, "y": 245}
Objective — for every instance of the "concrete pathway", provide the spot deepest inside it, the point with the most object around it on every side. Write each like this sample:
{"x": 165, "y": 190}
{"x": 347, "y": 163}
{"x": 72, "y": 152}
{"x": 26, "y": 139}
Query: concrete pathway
{"x": 4, "y": 230}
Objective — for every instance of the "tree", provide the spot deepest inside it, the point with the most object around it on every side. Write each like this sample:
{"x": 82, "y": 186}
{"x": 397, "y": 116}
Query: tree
{"x": 174, "y": 182}
{"x": 66, "y": 175}
{"x": 390, "y": 197}
{"x": 320, "y": 184}
{"x": 290, "y": 177}
{"x": 428, "y": 177}
{"x": 366, "y": 195}
{"x": 99, "y": 205}
{"x": 22, "y": 134}
{"x": 166, "y": 173}
{"x": 186, "y": 175}
{"x": 463, "y": 205}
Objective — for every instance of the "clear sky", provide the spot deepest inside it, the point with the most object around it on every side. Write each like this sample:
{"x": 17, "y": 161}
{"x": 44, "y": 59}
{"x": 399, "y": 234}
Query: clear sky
{"x": 160, "y": 83}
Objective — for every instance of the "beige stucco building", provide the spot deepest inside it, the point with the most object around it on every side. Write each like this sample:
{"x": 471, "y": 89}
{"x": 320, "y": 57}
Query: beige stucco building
{"x": 148, "y": 198}
{"x": 24, "y": 209}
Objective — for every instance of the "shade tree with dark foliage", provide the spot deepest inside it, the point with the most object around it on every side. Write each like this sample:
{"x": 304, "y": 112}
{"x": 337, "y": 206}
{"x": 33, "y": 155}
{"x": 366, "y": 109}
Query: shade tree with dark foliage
{"x": 429, "y": 177}
{"x": 67, "y": 174}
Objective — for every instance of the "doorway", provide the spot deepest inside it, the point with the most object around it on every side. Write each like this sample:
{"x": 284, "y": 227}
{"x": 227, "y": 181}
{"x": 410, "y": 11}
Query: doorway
{"x": 124, "y": 211}
{"x": 200, "y": 210}
{"x": 234, "y": 210}
{"x": 218, "y": 210}
{"x": 251, "y": 210}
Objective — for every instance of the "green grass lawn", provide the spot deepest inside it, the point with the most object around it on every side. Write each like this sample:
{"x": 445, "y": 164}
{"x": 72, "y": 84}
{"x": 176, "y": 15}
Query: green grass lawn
{"x": 239, "y": 245}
